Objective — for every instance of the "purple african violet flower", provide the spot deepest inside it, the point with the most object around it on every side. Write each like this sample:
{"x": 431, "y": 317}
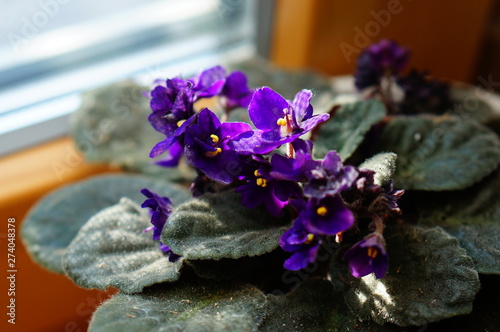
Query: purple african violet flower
{"x": 172, "y": 105}
{"x": 262, "y": 188}
{"x": 391, "y": 198}
{"x": 388, "y": 55}
{"x": 277, "y": 120}
{"x": 331, "y": 178}
{"x": 366, "y": 198}
{"x": 423, "y": 94}
{"x": 327, "y": 216}
{"x": 160, "y": 208}
{"x": 302, "y": 244}
{"x": 297, "y": 168}
{"x": 383, "y": 58}
{"x": 173, "y": 144}
{"x": 206, "y": 145}
{"x": 367, "y": 256}
{"x": 366, "y": 74}
{"x": 208, "y": 83}
{"x": 236, "y": 92}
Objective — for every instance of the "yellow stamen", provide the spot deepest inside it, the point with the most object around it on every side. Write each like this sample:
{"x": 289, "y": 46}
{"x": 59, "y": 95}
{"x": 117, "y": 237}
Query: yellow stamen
{"x": 256, "y": 173}
{"x": 310, "y": 238}
{"x": 214, "y": 138}
{"x": 322, "y": 211}
{"x": 212, "y": 154}
{"x": 281, "y": 121}
{"x": 261, "y": 182}
{"x": 372, "y": 252}
{"x": 180, "y": 122}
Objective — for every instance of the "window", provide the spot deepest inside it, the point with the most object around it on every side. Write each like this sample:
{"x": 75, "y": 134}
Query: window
{"x": 54, "y": 49}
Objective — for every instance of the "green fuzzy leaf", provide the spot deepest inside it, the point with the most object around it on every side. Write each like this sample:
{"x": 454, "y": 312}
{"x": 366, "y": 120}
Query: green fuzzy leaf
{"x": 103, "y": 124}
{"x": 472, "y": 216}
{"x": 430, "y": 278}
{"x": 313, "y": 306}
{"x": 219, "y": 226}
{"x": 384, "y": 166}
{"x": 440, "y": 153}
{"x": 112, "y": 250}
{"x": 310, "y": 307}
{"x": 200, "y": 306}
{"x": 55, "y": 220}
{"x": 345, "y": 131}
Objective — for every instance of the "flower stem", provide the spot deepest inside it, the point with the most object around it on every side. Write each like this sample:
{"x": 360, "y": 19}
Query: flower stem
{"x": 290, "y": 150}
{"x": 378, "y": 222}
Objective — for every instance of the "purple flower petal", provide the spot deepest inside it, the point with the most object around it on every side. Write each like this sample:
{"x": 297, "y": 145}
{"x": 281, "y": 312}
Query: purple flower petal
{"x": 367, "y": 256}
{"x": 236, "y": 91}
{"x": 302, "y": 105}
{"x": 209, "y": 82}
{"x": 175, "y": 153}
{"x": 312, "y": 122}
{"x": 301, "y": 259}
{"x": 161, "y": 207}
{"x": 265, "y": 108}
{"x": 327, "y": 216}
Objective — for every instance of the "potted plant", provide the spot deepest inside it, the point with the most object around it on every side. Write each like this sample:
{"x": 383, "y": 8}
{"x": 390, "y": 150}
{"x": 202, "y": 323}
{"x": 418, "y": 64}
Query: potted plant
{"x": 377, "y": 214}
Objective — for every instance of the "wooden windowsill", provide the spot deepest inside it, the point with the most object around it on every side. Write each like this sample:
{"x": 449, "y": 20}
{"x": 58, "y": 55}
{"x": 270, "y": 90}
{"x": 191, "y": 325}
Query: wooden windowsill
{"x": 28, "y": 175}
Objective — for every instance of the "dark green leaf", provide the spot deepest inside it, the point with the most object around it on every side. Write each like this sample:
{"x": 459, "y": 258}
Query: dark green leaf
{"x": 112, "y": 126}
{"x": 430, "y": 278}
{"x": 345, "y": 131}
{"x": 310, "y": 307}
{"x": 313, "y": 306}
{"x": 440, "y": 153}
{"x": 56, "y": 219}
{"x": 112, "y": 249}
{"x": 472, "y": 216}
{"x": 219, "y": 226}
{"x": 197, "y": 307}
{"x": 383, "y": 164}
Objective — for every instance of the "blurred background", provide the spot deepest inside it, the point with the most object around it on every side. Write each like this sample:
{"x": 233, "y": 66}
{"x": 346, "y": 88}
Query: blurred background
{"x": 52, "y": 50}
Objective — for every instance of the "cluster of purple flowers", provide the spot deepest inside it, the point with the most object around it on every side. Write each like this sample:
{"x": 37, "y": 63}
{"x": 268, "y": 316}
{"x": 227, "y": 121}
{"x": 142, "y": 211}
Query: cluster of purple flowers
{"x": 326, "y": 195}
{"x": 384, "y": 61}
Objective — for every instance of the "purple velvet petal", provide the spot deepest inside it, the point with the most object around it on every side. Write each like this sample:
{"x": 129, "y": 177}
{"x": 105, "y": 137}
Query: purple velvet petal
{"x": 175, "y": 153}
{"x": 274, "y": 205}
{"x": 208, "y": 121}
{"x": 360, "y": 266}
{"x": 312, "y": 122}
{"x": 337, "y": 218}
{"x": 360, "y": 261}
{"x": 332, "y": 162}
{"x": 380, "y": 265}
{"x": 301, "y": 105}
{"x": 209, "y": 82}
{"x": 232, "y": 129}
{"x": 300, "y": 259}
{"x": 161, "y": 207}
{"x": 236, "y": 91}
{"x": 265, "y": 108}
{"x": 162, "y": 147}
{"x": 160, "y": 99}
